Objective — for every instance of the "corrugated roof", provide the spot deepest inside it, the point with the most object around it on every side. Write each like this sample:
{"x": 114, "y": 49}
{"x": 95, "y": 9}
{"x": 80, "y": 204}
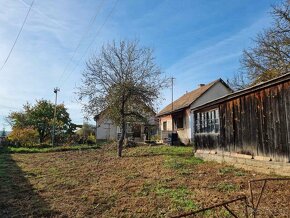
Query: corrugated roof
{"x": 187, "y": 99}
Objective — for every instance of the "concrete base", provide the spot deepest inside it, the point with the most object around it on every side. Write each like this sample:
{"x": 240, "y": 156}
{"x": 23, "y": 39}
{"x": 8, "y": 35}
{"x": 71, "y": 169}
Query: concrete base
{"x": 246, "y": 162}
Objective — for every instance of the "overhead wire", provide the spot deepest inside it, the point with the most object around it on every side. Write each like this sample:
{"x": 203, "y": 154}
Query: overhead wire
{"x": 94, "y": 39}
{"x": 93, "y": 19}
{"x": 15, "y": 41}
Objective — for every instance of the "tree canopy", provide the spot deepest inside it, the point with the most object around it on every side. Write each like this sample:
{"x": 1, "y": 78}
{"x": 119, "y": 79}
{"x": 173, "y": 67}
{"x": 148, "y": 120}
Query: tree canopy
{"x": 123, "y": 82}
{"x": 39, "y": 117}
{"x": 270, "y": 57}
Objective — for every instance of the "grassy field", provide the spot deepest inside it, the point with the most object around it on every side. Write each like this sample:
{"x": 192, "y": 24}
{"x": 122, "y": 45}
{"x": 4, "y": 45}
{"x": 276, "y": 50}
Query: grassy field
{"x": 47, "y": 149}
{"x": 159, "y": 181}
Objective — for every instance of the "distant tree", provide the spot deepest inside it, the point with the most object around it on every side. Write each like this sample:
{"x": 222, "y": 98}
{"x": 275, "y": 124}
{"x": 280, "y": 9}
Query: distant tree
{"x": 270, "y": 57}
{"x": 24, "y": 136}
{"x": 123, "y": 82}
{"x": 87, "y": 132}
{"x": 40, "y": 118}
{"x": 3, "y": 133}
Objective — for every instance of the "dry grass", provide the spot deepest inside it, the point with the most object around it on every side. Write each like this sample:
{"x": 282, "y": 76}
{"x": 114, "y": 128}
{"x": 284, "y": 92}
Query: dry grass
{"x": 156, "y": 181}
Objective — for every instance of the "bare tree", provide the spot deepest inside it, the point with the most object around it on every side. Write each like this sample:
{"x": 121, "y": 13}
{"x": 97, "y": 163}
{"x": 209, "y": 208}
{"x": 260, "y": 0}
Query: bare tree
{"x": 270, "y": 56}
{"x": 123, "y": 82}
{"x": 238, "y": 81}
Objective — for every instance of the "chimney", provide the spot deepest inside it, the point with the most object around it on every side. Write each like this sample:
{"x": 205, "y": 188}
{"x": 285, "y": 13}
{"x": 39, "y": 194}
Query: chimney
{"x": 201, "y": 85}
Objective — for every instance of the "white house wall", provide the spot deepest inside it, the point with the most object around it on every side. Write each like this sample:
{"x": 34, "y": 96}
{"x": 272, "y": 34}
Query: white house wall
{"x": 185, "y": 133}
{"x": 106, "y": 130}
{"x": 216, "y": 91}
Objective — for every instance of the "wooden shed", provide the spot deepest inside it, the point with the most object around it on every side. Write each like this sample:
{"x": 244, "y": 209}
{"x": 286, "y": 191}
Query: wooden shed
{"x": 254, "y": 121}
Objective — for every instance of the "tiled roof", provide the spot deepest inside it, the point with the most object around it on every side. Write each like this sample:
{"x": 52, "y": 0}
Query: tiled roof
{"x": 187, "y": 99}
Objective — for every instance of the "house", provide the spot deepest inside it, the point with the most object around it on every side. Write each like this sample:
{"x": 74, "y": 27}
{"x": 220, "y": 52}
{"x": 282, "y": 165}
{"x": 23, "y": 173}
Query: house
{"x": 253, "y": 123}
{"x": 106, "y": 129}
{"x": 177, "y": 116}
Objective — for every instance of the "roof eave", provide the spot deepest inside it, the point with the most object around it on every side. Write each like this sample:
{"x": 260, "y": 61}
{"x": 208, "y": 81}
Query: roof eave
{"x": 278, "y": 80}
{"x": 171, "y": 112}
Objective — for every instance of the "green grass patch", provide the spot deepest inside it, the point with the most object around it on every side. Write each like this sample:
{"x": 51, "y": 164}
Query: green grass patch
{"x": 171, "y": 150}
{"x": 227, "y": 187}
{"x": 49, "y": 149}
{"x": 220, "y": 212}
{"x": 180, "y": 197}
{"x": 180, "y": 162}
{"x": 239, "y": 173}
{"x": 176, "y": 157}
{"x": 146, "y": 189}
{"x": 161, "y": 150}
{"x": 227, "y": 170}
{"x": 231, "y": 170}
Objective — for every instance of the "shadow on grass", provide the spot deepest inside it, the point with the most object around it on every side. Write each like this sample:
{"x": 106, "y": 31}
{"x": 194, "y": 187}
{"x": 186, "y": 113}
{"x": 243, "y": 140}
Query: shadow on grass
{"x": 18, "y": 198}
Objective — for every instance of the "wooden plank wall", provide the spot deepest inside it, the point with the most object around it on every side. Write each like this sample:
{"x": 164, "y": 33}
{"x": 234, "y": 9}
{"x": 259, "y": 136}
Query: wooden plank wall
{"x": 207, "y": 141}
{"x": 257, "y": 123}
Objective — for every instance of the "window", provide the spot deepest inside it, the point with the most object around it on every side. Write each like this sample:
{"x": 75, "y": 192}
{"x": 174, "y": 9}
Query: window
{"x": 179, "y": 122}
{"x": 207, "y": 122}
{"x": 165, "y": 126}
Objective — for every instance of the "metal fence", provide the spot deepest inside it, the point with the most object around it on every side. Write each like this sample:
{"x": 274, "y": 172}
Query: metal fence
{"x": 260, "y": 202}
{"x": 263, "y": 203}
{"x": 234, "y": 208}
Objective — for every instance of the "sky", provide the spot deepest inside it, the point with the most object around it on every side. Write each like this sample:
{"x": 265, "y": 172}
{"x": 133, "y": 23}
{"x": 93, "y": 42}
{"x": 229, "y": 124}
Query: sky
{"x": 195, "y": 41}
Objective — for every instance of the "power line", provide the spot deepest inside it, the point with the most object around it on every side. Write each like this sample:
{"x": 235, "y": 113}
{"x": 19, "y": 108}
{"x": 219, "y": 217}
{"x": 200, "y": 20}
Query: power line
{"x": 98, "y": 31}
{"x": 93, "y": 19}
{"x": 6, "y": 60}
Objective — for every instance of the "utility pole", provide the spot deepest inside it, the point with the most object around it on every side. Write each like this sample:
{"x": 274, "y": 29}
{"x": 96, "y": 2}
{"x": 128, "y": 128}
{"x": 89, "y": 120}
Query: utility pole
{"x": 54, "y": 115}
{"x": 172, "y": 123}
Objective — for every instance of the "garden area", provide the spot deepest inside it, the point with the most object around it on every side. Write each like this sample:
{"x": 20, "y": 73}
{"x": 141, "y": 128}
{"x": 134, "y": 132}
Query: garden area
{"x": 148, "y": 181}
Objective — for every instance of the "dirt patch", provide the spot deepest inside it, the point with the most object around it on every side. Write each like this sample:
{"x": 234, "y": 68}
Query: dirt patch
{"x": 157, "y": 181}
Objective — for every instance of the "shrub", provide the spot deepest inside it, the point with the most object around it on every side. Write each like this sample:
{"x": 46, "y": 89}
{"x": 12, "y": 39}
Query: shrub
{"x": 24, "y": 137}
{"x": 91, "y": 139}
{"x": 73, "y": 139}
{"x": 155, "y": 137}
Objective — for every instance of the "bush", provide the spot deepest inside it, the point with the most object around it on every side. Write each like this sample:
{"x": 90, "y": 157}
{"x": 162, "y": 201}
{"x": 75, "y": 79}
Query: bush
{"x": 155, "y": 137}
{"x": 23, "y": 137}
{"x": 73, "y": 139}
{"x": 6, "y": 142}
{"x": 91, "y": 139}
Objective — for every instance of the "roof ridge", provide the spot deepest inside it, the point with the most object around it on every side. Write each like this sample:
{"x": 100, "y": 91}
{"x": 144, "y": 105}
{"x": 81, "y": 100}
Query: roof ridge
{"x": 186, "y": 102}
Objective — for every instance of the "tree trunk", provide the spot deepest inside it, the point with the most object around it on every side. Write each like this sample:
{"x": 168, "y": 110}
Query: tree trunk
{"x": 41, "y": 138}
{"x": 121, "y": 140}
{"x": 41, "y": 134}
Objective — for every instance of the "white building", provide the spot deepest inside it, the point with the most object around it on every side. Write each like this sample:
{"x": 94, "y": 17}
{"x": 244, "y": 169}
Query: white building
{"x": 107, "y": 130}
